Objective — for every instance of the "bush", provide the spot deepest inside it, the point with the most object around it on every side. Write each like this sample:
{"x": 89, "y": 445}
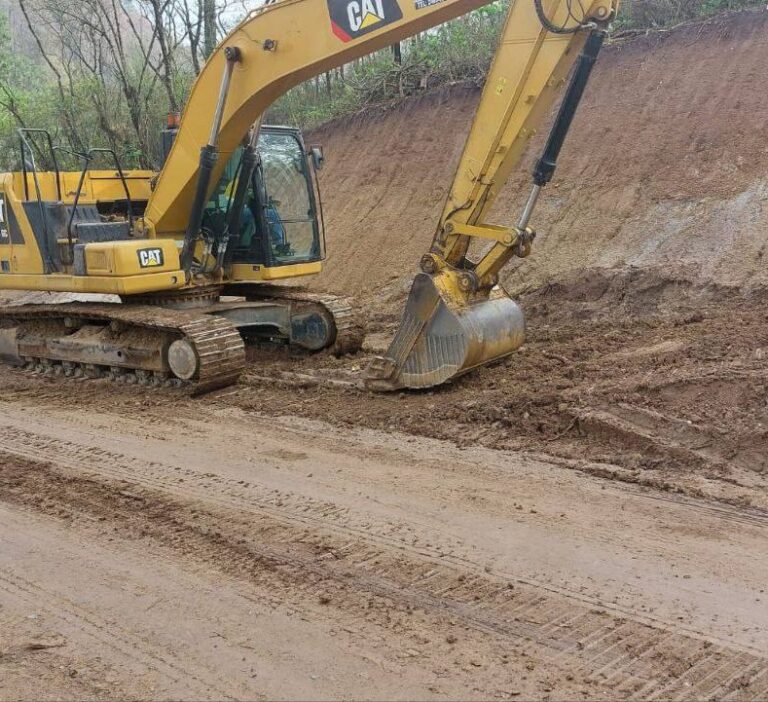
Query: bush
{"x": 649, "y": 14}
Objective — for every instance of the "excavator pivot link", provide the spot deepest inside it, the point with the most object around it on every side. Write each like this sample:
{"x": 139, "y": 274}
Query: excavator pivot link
{"x": 444, "y": 333}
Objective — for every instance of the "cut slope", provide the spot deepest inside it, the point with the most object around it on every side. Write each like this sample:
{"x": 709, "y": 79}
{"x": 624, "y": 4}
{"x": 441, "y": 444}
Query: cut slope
{"x": 667, "y": 163}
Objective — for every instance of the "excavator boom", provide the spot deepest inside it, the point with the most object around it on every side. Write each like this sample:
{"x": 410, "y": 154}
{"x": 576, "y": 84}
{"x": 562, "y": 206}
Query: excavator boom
{"x": 278, "y": 46}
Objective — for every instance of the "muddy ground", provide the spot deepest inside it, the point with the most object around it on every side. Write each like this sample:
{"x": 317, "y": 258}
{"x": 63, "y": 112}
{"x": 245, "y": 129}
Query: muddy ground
{"x": 633, "y": 373}
{"x": 161, "y": 547}
{"x": 586, "y": 519}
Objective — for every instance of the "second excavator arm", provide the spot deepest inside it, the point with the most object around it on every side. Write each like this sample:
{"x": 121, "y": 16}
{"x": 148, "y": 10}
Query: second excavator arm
{"x": 457, "y": 317}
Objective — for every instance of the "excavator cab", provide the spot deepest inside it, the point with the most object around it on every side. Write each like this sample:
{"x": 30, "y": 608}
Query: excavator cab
{"x": 279, "y": 223}
{"x": 277, "y": 231}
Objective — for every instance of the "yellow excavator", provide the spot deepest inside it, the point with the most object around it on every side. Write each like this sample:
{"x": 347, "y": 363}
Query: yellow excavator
{"x": 190, "y": 256}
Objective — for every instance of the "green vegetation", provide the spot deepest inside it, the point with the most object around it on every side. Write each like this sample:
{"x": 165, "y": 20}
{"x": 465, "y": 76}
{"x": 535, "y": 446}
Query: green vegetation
{"x": 460, "y": 50}
{"x": 97, "y": 76}
{"x": 656, "y": 14}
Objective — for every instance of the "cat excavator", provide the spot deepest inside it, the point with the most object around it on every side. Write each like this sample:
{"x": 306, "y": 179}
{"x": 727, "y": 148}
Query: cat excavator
{"x": 186, "y": 261}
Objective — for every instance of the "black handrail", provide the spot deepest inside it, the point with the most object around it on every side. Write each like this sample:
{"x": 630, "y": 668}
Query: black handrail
{"x": 87, "y": 158}
{"x": 67, "y": 150}
{"x": 86, "y": 162}
{"x": 26, "y": 146}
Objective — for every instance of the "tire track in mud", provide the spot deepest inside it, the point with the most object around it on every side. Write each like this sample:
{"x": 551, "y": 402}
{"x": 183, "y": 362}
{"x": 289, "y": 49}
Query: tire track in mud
{"x": 730, "y": 510}
{"x": 293, "y": 509}
{"x": 110, "y": 634}
{"x": 311, "y": 546}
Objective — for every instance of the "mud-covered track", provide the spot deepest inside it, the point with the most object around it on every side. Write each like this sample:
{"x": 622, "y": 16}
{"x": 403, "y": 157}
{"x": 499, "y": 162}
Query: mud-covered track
{"x": 218, "y": 349}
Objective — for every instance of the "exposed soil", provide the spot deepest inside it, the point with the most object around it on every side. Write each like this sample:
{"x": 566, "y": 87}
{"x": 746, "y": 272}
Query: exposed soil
{"x": 167, "y": 548}
{"x": 628, "y": 373}
{"x": 666, "y": 163}
{"x": 645, "y": 294}
{"x": 583, "y": 520}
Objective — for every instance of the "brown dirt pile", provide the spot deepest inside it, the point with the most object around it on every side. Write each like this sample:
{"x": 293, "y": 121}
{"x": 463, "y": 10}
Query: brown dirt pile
{"x": 645, "y": 294}
{"x": 646, "y": 377}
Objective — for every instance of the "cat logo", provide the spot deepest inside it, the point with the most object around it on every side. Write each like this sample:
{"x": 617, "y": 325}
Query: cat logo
{"x": 150, "y": 258}
{"x": 351, "y": 19}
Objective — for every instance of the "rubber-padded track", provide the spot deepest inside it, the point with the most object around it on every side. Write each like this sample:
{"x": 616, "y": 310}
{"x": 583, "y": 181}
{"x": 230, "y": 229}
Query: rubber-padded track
{"x": 217, "y": 342}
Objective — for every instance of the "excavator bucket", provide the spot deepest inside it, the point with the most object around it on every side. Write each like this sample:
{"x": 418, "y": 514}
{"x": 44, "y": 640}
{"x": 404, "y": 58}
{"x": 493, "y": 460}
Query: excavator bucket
{"x": 444, "y": 333}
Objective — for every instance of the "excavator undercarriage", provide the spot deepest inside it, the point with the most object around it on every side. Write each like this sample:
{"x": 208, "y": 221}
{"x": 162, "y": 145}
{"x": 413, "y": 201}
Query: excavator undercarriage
{"x": 193, "y": 343}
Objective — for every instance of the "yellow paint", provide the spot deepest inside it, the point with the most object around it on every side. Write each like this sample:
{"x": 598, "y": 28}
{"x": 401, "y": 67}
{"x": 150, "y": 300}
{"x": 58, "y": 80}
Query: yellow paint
{"x": 245, "y": 272}
{"x": 124, "y": 258}
{"x": 369, "y": 20}
{"x": 107, "y": 285}
{"x": 486, "y": 231}
{"x": 98, "y": 186}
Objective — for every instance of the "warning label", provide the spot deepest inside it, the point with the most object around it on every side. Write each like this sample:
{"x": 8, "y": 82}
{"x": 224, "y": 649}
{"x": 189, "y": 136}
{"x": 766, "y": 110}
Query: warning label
{"x": 421, "y": 4}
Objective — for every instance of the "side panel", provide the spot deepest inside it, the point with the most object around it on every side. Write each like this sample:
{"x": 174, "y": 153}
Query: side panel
{"x": 19, "y": 252}
{"x": 248, "y": 273}
{"x": 132, "y": 258}
{"x": 106, "y": 285}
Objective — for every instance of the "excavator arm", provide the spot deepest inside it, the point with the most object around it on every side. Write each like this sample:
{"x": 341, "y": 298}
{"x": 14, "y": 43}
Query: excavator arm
{"x": 457, "y": 317}
{"x": 529, "y": 68}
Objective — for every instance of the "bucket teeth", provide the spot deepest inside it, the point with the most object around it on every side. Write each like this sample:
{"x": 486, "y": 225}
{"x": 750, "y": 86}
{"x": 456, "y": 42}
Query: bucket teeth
{"x": 444, "y": 333}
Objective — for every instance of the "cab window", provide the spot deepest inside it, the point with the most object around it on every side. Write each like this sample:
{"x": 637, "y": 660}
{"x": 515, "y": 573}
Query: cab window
{"x": 278, "y": 223}
{"x": 289, "y": 212}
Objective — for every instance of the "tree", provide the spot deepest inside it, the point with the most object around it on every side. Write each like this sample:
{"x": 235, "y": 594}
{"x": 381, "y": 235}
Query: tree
{"x": 209, "y": 27}
{"x": 9, "y": 67}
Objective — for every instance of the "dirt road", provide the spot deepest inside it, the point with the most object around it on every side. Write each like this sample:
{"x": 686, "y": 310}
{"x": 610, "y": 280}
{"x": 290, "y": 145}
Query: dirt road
{"x": 159, "y": 547}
